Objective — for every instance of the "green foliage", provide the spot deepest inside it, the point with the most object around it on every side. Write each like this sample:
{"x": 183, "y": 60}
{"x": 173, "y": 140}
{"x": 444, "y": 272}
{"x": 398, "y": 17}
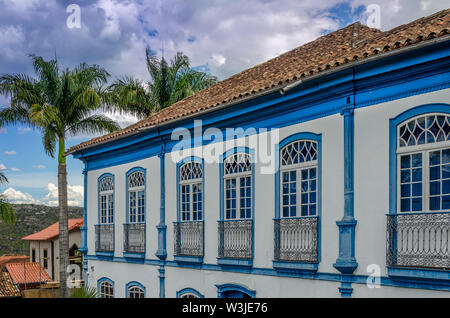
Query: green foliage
{"x": 30, "y": 219}
{"x": 84, "y": 292}
{"x": 7, "y": 213}
{"x": 170, "y": 82}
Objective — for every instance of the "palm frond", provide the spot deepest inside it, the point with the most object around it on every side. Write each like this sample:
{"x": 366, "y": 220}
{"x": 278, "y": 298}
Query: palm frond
{"x": 7, "y": 213}
{"x": 92, "y": 125}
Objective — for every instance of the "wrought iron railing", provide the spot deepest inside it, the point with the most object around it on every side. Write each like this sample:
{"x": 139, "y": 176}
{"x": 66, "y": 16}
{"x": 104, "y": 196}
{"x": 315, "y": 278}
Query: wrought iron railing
{"x": 296, "y": 239}
{"x": 134, "y": 237}
{"x": 188, "y": 238}
{"x": 236, "y": 239}
{"x": 418, "y": 240}
{"x": 104, "y": 237}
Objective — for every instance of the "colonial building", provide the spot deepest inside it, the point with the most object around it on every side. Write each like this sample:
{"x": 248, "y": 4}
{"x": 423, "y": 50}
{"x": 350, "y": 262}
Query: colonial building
{"x": 44, "y": 246}
{"x": 334, "y": 179}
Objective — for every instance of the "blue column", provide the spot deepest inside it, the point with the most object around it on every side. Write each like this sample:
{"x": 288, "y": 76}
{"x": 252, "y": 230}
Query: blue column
{"x": 161, "y": 253}
{"x": 346, "y": 262}
{"x": 83, "y": 248}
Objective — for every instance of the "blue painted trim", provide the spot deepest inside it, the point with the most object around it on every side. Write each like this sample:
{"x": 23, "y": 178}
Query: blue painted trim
{"x": 234, "y": 262}
{"x": 133, "y": 284}
{"x": 84, "y": 227}
{"x": 322, "y": 276}
{"x": 188, "y": 290}
{"x": 289, "y": 267}
{"x": 188, "y": 259}
{"x": 411, "y": 73}
{"x": 221, "y": 289}
{"x": 225, "y": 155}
{"x": 302, "y": 136}
{"x": 105, "y": 279}
{"x": 161, "y": 253}
{"x": 104, "y": 254}
{"x": 346, "y": 261}
{"x": 414, "y": 274}
{"x": 134, "y": 255}
{"x": 162, "y": 277}
{"x": 393, "y": 125}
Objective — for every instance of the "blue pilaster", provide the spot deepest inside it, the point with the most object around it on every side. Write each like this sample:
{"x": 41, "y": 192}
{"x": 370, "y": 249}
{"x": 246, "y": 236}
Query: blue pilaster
{"x": 346, "y": 262}
{"x": 83, "y": 248}
{"x": 161, "y": 253}
{"x": 162, "y": 277}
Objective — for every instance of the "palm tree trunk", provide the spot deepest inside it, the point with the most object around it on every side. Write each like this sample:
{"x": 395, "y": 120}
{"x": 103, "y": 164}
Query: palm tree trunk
{"x": 63, "y": 220}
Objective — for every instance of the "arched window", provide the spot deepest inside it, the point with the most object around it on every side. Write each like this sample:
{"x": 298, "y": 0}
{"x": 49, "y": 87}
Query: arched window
{"x": 237, "y": 180}
{"x": 136, "y": 195}
{"x": 423, "y": 170}
{"x": 106, "y": 199}
{"x": 105, "y": 288}
{"x": 298, "y": 173}
{"x": 189, "y": 293}
{"x": 191, "y": 191}
{"x": 135, "y": 290}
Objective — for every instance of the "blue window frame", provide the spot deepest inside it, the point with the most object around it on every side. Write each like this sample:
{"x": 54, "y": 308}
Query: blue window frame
{"x": 134, "y": 290}
{"x": 105, "y": 288}
{"x": 237, "y": 175}
{"x": 190, "y": 189}
{"x": 106, "y": 199}
{"x": 189, "y": 293}
{"x": 136, "y": 198}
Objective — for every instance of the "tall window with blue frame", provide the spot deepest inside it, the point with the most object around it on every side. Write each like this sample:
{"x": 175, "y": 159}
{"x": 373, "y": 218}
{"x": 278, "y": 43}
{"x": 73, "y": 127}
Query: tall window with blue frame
{"x": 423, "y": 156}
{"x": 298, "y": 172}
{"x": 238, "y": 186}
{"x": 136, "y": 197}
{"x": 191, "y": 191}
{"x": 106, "y": 192}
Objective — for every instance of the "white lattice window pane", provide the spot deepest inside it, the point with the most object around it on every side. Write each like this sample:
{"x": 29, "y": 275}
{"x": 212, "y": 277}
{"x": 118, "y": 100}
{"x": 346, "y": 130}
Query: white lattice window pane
{"x": 132, "y": 207}
{"x": 191, "y": 171}
{"x": 136, "y": 179}
{"x": 230, "y": 199}
{"x": 106, "y": 290}
{"x": 237, "y": 163}
{"x": 299, "y": 151}
{"x": 424, "y": 130}
{"x": 106, "y": 184}
{"x": 136, "y": 292}
{"x": 111, "y": 208}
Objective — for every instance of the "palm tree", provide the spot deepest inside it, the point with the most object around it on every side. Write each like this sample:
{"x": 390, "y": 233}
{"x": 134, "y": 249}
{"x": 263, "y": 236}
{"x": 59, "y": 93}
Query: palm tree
{"x": 60, "y": 103}
{"x": 7, "y": 214}
{"x": 169, "y": 83}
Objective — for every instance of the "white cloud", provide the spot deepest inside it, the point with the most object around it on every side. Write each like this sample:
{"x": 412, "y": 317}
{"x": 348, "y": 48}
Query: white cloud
{"x": 39, "y": 167}
{"x": 10, "y": 153}
{"x": 74, "y": 195}
{"x": 19, "y": 197}
{"x": 3, "y": 167}
{"x": 3, "y": 130}
{"x": 23, "y": 130}
{"x": 15, "y": 169}
{"x": 12, "y": 39}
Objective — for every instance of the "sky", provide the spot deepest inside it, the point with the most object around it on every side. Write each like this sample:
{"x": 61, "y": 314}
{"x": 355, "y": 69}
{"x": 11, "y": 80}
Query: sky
{"x": 222, "y": 37}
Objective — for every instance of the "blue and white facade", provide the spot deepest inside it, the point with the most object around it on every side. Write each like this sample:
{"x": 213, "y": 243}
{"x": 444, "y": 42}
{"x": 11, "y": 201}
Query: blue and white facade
{"x": 355, "y": 201}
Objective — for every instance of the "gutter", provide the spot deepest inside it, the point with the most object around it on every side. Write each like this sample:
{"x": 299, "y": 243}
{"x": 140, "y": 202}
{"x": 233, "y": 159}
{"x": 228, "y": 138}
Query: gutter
{"x": 283, "y": 90}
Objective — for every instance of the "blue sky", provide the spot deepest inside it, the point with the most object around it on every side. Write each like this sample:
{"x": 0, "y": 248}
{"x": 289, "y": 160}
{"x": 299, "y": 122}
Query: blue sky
{"x": 220, "y": 36}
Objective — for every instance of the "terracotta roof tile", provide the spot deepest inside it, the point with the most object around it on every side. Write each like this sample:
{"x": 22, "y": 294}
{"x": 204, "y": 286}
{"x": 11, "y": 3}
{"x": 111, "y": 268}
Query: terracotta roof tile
{"x": 53, "y": 231}
{"x": 5, "y": 259}
{"x": 22, "y": 273}
{"x": 354, "y": 42}
{"x": 7, "y": 287}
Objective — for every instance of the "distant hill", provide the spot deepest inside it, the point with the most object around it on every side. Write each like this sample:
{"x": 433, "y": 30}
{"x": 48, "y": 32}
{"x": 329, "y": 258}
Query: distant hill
{"x": 30, "y": 219}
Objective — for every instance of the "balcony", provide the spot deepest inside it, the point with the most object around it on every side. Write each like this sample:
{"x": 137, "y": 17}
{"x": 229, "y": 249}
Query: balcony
{"x": 296, "y": 244}
{"x": 104, "y": 239}
{"x": 418, "y": 240}
{"x": 188, "y": 241}
{"x": 134, "y": 240}
{"x": 236, "y": 242}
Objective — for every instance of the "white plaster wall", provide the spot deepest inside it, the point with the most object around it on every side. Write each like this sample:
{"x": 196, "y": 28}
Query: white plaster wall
{"x": 152, "y": 205}
{"x": 372, "y": 175}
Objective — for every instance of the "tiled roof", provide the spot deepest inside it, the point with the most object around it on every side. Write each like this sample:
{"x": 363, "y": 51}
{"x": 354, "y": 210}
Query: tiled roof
{"x": 354, "y": 42}
{"x": 5, "y": 259}
{"x": 7, "y": 287}
{"x": 27, "y": 272}
{"x": 53, "y": 231}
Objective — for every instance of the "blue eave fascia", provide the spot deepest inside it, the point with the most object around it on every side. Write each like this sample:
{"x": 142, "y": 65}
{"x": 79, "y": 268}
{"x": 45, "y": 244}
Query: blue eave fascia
{"x": 319, "y": 97}
{"x": 430, "y": 275}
